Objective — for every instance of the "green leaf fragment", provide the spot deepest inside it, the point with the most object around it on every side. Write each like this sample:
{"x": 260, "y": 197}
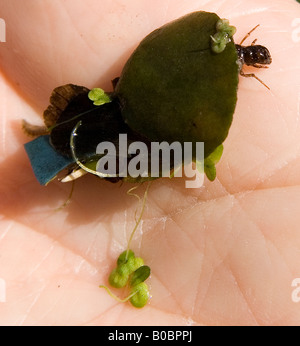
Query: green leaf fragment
{"x": 211, "y": 161}
{"x": 215, "y": 156}
{"x": 140, "y": 275}
{"x": 129, "y": 265}
{"x": 223, "y": 35}
{"x": 141, "y": 295}
{"x": 223, "y": 26}
{"x": 125, "y": 255}
{"x": 219, "y": 42}
{"x": 98, "y": 96}
{"x": 210, "y": 172}
{"x": 124, "y": 269}
{"x": 117, "y": 279}
{"x": 134, "y": 263}
{"x": 119, "y": 276}
{"x": 195, "y": 99}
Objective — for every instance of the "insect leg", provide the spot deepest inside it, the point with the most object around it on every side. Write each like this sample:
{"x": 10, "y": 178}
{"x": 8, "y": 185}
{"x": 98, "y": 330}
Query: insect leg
{"x": 249, "y": 34}
{"x": 260, "y": 66}
{"x": 254, "y": 76}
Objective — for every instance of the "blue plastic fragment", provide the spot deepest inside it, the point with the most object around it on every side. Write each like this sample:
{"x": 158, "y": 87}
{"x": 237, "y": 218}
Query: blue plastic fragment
{"x": 45, "y": 161}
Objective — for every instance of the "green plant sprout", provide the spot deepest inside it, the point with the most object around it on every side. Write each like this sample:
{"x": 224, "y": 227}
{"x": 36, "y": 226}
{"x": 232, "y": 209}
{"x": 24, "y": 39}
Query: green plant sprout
{"x": 211, "y": 161}
{"x": 222, "y": 36}
{"x": 130, "y": 270}
{"x": 98, "y": 96}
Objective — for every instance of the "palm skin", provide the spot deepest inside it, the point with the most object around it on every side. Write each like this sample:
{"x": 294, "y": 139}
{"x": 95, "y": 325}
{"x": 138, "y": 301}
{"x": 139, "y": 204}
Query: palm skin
{"x": 223, "y": 254}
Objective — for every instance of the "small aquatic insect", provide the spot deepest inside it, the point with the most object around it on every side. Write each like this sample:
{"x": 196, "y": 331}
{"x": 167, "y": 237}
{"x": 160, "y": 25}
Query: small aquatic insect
{"x": 179, "y": 85}
{"x": 254, "y": 55}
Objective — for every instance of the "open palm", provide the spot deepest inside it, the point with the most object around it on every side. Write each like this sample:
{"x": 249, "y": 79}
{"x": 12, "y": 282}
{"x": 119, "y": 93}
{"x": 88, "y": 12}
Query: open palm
{"x": 225, "y": 253}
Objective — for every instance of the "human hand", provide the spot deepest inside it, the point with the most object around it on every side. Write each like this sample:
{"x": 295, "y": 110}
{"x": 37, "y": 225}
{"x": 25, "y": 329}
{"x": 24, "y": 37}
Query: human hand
{"x": 223, "y": 254}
